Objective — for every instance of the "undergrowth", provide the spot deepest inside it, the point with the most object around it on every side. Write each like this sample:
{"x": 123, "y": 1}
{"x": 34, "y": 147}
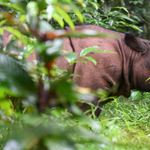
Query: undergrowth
{"x": 132, "y": 118}
{"x": 123, "y": 125}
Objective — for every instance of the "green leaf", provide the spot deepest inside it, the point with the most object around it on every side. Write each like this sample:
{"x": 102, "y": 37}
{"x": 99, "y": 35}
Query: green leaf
{"x": 125, "y": 9}
{"x": 135, "y": 27}
{"x": 48, "y": 51}
{"x": 17, "y": 34}
{"x": 122, "y": 16}
{"x": 71, "y": 56}
{"x": 3, "y": 22}
{"x": 91, "y": 59}
{"x": 111, "y": 21}
{"x": 1, "y": 43}
{"x": 95, "y": 5}
{"x": 80, "y": 61}
{"x": 12, "y": 48}
{"x": 14, "y": 78}
{"x": 75, "y": 75}
{"x": 121, "y": 22}
{"x": 135, "y": 95}
{"x": 66, "y": 17}
{"x": 6, "y": 106}
{"x": 93, "y": 49}
{"x": 147, "y": 79}
{"x": 32, "y": 8}
{"x": 88, "y": 50}
{"x": 15, "y": 6}
{"x": 30, "y": 49}
{"x": 22, "y": 18}
{"x": 88, "y": 33}
{"x": 47, "y": 26}
{"x": 78, "y": 13}
{"x": 50, "y": 11}
{"x": 57, "y": 17}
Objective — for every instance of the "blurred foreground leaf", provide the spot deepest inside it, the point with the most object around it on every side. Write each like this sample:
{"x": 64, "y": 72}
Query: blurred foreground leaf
{"x": 14, "y": 77}
{"x": 93, "y": 49}
{"x": 71, "y": 56}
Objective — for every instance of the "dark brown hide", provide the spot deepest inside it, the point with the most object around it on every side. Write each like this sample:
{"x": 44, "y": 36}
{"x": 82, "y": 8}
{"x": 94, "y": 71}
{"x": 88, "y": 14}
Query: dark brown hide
{"x": 126, "y": 70}
{"x": 115, "y": 73}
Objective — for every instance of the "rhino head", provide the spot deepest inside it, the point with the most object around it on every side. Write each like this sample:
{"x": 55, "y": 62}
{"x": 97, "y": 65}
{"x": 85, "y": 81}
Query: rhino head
{"x": 141, "y": 62}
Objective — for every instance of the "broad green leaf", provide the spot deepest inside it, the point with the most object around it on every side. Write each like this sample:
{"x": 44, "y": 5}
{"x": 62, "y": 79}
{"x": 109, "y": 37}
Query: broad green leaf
{"x": 93, "y": 49}
{"x": 54, "y": 46}
{"x": 66, "y": 17}
{"x": 75, "y": 75}
{"x": 1, "y": 43}
{"x": 79, "y": 61}
{"x": 57, "y": 17}
{"x": 12, "y": 48}
{"x": 30, "y": 49}
{"x": 135, "y": 27}
{"x": 2, "y": 94}
{"x": 14, "y": 78}
{"x": 49, "y": 50}
{"x": 6, "y": 106}
{"x": 88, "y": 50}
{"x": 135, "y": 95}
{"x": 91, "y": 59}
{"x": 15, "y": 6}
{"x": 111, "y": 21}
{"x": 122, "y": 16}
{"x": 17, "y": 34}
{"x": 147, "y": 79}
{"x": 32, "y": 8}
{"x": 78, "y": 13}
{"x": 88, "y": 33}
{"x": 95, "y": 5}
{"x": 125, "y": 9}
{"x": 47, "y": 27}
{"x": 50, "y": 10}
{"x": 3, "y": 22}
{"x": 121, "y": 22}
{"x": 136, "y": 2}
{"x": 71, "y": 56}
{"x": 22, "y": 18}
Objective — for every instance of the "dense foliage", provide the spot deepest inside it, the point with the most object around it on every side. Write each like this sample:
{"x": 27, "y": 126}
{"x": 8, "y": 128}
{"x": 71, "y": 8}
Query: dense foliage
{"x": 28, "y": 90}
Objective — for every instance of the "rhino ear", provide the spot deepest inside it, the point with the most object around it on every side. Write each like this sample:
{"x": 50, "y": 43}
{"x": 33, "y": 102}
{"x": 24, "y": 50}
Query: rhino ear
{"x": 134, "y": 43}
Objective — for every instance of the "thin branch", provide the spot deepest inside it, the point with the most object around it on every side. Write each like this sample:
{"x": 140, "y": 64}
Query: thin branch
{"x": 143, "y": 19}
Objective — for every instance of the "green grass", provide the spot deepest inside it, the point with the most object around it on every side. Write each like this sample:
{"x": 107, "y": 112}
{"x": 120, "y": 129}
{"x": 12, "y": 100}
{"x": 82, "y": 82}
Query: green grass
{"x": 124, "y": 124}
{"x": 132, "y": 118}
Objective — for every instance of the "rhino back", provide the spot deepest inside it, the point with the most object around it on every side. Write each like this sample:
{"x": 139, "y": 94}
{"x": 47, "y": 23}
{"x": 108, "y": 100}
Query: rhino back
{"x": 61, "y": 61}
{"x": 108, "y": 71}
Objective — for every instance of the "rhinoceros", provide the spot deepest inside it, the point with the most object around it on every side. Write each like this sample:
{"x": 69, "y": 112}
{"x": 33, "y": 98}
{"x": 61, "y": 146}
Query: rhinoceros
{"x": 117, "y": 73}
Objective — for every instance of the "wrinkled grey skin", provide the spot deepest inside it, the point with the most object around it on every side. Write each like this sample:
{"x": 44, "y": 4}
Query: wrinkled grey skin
{"x": 115, "y": 73}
